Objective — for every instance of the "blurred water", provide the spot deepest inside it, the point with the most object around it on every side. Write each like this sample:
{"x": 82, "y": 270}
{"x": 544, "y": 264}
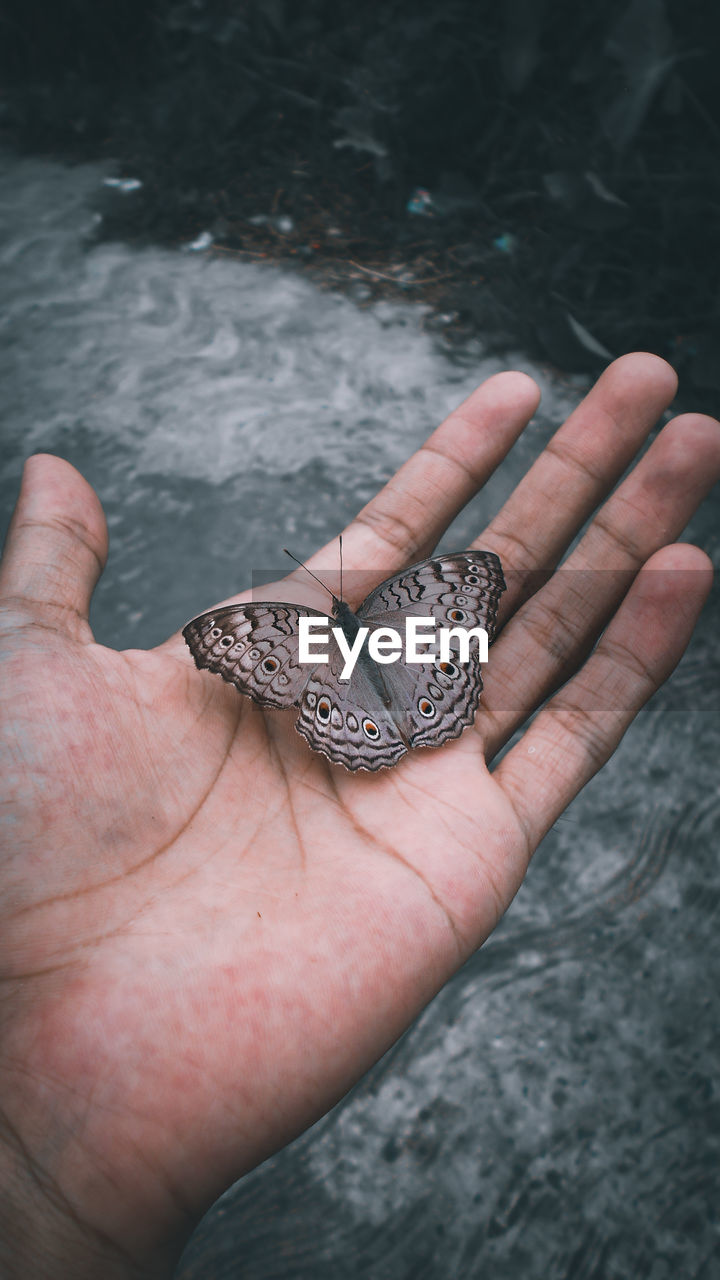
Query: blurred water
{"x": 221, "y": 410}
{"x": 554, "y": 1113}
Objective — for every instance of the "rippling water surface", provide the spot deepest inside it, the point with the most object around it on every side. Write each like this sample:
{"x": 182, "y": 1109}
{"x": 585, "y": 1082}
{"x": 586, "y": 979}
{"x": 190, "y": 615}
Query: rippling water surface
{"x": 554, "y": 1113}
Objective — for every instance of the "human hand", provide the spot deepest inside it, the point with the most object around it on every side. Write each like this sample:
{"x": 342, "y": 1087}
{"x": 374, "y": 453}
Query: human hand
{"x": 208, "y": 932}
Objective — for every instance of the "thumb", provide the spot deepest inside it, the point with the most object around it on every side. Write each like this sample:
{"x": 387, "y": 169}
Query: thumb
{"x": 56, "y": 546}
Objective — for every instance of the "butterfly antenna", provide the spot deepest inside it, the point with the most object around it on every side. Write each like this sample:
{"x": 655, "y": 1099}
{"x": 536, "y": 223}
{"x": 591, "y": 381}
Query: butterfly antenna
{"x": 304, "y": 566}
{"x": 341, "y": 594}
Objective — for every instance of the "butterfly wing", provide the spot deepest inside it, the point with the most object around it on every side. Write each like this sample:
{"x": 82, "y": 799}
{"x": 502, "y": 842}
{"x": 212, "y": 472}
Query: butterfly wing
{"x": 255, "y": 647}
{"x": 460, "y": 589}
{"x": 350, "y": 721}
{"x": 431, "y": 704}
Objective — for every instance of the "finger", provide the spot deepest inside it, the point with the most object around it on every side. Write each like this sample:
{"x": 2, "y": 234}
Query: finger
{"x": 405, "y": 520}
{"x": 577, "y": 469}
{"x": 580, "y": 728}
{"x": 551, "y": 634}
{"x": 55, "y": 549}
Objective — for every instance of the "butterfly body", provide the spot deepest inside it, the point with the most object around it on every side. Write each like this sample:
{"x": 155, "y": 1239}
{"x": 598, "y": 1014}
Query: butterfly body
{"x": 371, "y": 720}
{"x": 351, "y": 625}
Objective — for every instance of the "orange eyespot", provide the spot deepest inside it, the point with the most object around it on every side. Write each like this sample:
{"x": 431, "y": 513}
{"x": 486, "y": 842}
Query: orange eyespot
{"x": 270, "y": 665}
{"x": 426, "y": 708}
{"x": 370, "y": 729}
{"x": 323, "y": 710}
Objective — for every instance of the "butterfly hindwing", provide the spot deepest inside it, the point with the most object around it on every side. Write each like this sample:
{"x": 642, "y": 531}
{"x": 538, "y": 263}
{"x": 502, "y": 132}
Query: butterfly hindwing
{"x": 350, "y": 721}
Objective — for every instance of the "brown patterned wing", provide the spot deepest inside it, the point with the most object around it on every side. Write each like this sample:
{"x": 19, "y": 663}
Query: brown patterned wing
{"x": 255, "y": 647}
{"x": 459, "y": 589}
{"x": 350, "y": 722}
{"x": 431, "y": 704}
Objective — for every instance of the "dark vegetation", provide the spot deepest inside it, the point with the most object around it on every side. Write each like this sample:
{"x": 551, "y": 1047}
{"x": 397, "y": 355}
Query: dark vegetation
{"x": 545, "y": 173}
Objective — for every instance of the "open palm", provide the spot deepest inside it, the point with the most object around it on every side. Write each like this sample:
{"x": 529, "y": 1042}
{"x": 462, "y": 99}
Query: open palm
{"x": 207, "y": 931}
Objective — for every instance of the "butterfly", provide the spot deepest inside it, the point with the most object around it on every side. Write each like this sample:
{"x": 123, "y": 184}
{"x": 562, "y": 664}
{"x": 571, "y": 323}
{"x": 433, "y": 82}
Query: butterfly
{"x": 373, "y": 719}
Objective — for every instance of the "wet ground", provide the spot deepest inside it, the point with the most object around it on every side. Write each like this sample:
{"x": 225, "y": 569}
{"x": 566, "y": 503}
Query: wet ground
{"x": 554, "y": 1113}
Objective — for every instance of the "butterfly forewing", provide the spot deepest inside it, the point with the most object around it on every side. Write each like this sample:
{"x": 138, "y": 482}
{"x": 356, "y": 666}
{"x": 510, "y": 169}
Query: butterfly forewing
{"x": 255, "y": 647}
{"x": 460, "y": 589}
